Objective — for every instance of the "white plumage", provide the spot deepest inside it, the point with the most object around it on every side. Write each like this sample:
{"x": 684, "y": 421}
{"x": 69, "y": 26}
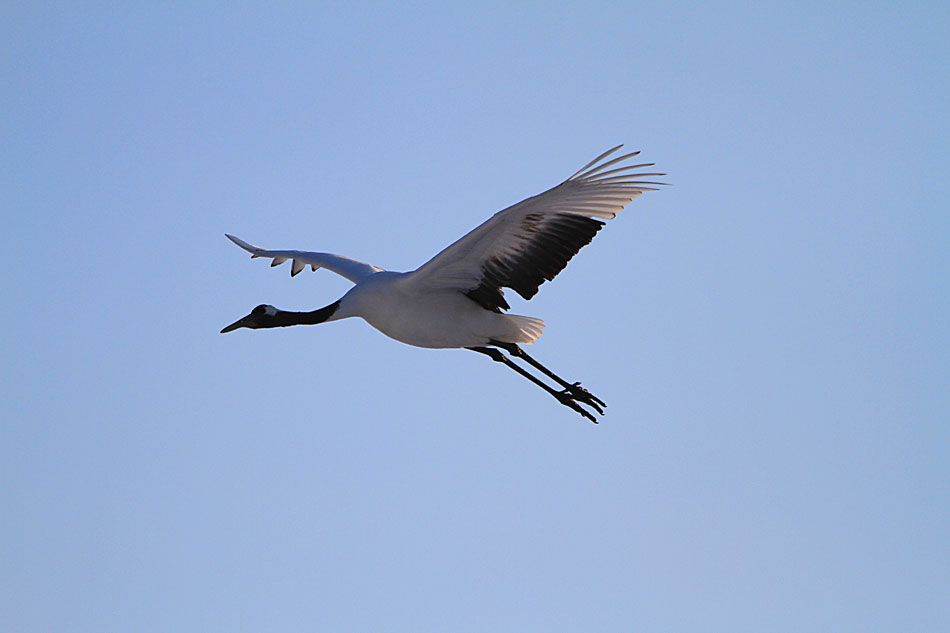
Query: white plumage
{"x": 455, "y": 300}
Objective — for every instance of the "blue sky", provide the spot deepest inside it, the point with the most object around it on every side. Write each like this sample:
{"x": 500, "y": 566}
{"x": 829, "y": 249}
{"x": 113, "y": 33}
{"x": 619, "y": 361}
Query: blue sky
{"x": 770, "y": 333}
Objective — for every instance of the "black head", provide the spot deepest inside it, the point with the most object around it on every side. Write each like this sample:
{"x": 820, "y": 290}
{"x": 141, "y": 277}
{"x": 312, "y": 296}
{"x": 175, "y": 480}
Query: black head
{"x": 260, "y": 317}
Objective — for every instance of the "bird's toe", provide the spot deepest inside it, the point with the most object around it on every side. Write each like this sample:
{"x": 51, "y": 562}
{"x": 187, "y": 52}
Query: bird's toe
{"x": 580, "y": 394}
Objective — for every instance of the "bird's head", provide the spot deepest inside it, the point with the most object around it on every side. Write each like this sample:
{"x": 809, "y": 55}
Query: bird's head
{"x": 260, "y": 317}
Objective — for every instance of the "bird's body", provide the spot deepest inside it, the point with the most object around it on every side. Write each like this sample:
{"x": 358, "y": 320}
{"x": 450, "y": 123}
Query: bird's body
{"x": 390, "y": 302}
{"x": 455, "y": 300}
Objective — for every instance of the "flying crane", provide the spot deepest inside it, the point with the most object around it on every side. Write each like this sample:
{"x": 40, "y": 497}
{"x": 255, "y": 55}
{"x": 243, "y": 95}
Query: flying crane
{"x": 455, "y": 300}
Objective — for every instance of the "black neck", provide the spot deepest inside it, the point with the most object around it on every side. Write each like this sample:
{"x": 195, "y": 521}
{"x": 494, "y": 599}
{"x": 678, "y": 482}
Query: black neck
{"x": 284, "y": 319}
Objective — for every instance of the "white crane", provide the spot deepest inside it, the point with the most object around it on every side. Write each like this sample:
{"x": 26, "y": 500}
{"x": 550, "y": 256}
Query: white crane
{"x": 455, "y": 299}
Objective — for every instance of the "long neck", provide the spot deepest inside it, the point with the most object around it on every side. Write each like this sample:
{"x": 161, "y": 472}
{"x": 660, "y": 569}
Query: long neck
{"x": 284, "y": 319}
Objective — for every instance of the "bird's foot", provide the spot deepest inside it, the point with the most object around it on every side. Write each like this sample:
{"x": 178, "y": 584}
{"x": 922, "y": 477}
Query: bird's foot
{"x": 565, "y": 398}
{"x": 580, "y": 394}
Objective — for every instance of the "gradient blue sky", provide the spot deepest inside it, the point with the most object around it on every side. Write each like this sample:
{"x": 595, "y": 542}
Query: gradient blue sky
{"x": 771, "y": 333}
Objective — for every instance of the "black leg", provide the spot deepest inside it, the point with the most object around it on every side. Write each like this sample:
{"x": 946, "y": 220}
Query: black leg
{"x": 575, "y": 390}
{"x": 564, "y": 397}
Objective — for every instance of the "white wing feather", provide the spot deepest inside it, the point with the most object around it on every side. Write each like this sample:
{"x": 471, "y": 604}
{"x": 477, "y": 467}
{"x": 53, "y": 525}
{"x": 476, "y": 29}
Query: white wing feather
{"x": 350, "y": 268}
{"x": 592, "y": 192}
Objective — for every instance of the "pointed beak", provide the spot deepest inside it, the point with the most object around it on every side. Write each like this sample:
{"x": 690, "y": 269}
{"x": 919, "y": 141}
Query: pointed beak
{"x": 236, "y": 325}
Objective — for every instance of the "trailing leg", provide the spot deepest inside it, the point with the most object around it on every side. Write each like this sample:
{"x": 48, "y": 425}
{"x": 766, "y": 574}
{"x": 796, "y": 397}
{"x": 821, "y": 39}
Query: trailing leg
{"x": 564, "y": 397}
{"x": 575, "y": 390}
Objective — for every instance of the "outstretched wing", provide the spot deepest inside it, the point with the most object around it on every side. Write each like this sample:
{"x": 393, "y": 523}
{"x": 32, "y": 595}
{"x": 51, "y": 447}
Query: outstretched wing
{"x": 529, "y": 243}
{"x": 350, "y": 268}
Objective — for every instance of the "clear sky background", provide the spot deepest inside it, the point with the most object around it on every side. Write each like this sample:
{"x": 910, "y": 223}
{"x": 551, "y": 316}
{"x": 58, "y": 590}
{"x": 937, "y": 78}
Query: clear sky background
{"x": 770, "y": 333}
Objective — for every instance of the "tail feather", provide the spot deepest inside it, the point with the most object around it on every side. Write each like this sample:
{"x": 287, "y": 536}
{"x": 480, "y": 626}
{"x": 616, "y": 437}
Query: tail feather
{"x": 526, "y": 329}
